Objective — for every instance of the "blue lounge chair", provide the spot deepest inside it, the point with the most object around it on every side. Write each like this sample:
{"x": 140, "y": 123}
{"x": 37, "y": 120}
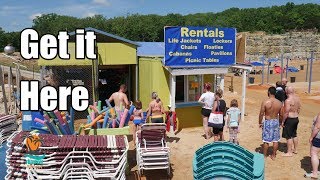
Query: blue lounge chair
{"x": 228, "y": 161}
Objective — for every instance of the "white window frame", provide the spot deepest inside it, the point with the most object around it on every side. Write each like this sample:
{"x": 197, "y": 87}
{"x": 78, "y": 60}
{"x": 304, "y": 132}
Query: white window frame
{"x": 186, "y": 88}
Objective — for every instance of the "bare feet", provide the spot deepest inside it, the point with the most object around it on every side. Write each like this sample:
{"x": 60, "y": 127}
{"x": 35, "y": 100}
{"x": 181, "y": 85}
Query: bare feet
{"x": 287, "y": 155}
{"x": 273, "y": 157}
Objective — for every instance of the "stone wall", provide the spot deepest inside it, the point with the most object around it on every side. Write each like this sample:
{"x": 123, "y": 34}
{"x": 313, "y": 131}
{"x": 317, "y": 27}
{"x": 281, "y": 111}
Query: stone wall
{"x": 294, "y": 44}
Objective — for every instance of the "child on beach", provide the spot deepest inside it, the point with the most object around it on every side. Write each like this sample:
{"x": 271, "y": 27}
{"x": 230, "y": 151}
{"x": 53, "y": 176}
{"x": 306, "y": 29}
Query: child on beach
{"x": 233, "y": 121}
{"x": 137, "y": 117}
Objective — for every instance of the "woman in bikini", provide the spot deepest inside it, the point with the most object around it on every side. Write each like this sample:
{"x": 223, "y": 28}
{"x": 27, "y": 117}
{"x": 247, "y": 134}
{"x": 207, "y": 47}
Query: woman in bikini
{"x": 155, "y": 109}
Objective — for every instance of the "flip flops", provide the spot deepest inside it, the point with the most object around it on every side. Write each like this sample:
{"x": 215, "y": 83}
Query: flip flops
{"x": 309, "y": 175}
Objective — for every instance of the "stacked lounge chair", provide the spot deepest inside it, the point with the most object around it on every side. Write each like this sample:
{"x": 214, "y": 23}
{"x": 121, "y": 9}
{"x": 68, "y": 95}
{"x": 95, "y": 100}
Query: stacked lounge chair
{"x": 152, "y": 151}
{"x": 7, "y": 126}
{"x": 69, "y": 157}
{"x": 226, "y": 160}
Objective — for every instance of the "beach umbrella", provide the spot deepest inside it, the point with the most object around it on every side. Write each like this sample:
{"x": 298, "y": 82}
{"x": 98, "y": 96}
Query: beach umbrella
{"x": 273, "y": 60}
{"x": 256, "y": 64}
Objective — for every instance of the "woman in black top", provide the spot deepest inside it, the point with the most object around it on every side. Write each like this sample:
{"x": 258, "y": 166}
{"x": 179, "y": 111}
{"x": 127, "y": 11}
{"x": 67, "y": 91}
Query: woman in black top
{"x": 218, "y": 132}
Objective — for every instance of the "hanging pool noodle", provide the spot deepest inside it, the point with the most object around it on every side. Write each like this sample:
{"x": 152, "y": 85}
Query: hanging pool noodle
{"x": 62, "y": 129}
{"x": 94, "y": 109}
{"x": 108, "y": 103}
{"x": 58, "y": 115}
{"x": 89, "y": 110}
{"x": 80, "y": 129}
{"x": 113, "y": 123}
{"x": 129, "y": 114}
{"x": 92, "y": 115}
{"x": 104, "y": 110}
{"x": 105, "y": 121}
{"x": 50, "y": 128}
{"x": 66, "y": 125}
{"x": 51, "y": 115}
{"x": 39, "y": 120}
{"x": 89, "y": 119}
{"x": 57, "y": 128}
{"x": 112, "y": 113}
{"x": 99, "y": 106}
{"x": 71, "y": 127}
{"x": 46, "y": 116}
{"x": 123, "y": 118}
{"x": 69, "y": 123}
{"x": 72, "y": 117}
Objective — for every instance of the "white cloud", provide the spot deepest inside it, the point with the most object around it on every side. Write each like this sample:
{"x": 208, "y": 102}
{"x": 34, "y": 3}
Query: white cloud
{"x": 89, "y": 14}
{"x": 34, "y": 16}
{"x": 102, "y": 2}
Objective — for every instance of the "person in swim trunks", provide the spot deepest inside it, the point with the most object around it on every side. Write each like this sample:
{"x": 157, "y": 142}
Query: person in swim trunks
{"x": 270, "y": 108}
{"x": 155, "y": 109}
{"x": 314, "y": 148}
{"x": 290, "y": 124}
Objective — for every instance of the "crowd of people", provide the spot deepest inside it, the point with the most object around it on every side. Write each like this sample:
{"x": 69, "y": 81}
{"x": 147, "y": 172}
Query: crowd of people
{"x": 280, "y": 110}
{"x": 213, "y": 104}
{"x": 155, "y": 109}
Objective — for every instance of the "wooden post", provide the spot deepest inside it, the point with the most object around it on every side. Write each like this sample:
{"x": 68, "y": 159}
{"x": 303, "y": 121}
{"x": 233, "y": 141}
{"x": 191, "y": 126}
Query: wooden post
{"x": 287, "y": 67}
{"x": 9, "y": 84}
{"x": 281, "y": 67}
{"x": 310, "y": 76}
{"x": 232, "y": 84}
{"x": 3, "y": 91}
{"x": 243, "y": 97}
{"x": 12, "y": 87}
{"x": 172, "y": 92}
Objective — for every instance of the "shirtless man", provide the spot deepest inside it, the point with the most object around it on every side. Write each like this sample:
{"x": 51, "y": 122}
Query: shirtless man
{"x": 156, "y": 109}
{"x": 120, "y": 98}
{"x": 290, "y": 124}
{"x": 270, "y": 108}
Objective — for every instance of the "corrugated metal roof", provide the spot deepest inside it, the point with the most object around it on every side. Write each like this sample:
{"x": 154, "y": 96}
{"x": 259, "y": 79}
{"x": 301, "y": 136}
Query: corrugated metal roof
{"x": 151, "y": 49}
{"x": 107, "y": 34}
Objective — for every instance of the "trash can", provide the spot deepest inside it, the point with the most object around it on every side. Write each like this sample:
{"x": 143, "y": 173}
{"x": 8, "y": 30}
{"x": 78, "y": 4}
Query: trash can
{"x": 271, "y": 71}
{"x": 292, "y": 79}
{"x": 251, "y": 80}
{"x": 301, "y": 67}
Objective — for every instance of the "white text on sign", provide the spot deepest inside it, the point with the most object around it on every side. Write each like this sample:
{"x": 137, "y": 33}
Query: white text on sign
{"x": 49, "y": 46}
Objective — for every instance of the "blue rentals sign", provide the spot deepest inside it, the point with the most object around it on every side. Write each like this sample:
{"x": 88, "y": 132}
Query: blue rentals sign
{"x": 199, "y": 46}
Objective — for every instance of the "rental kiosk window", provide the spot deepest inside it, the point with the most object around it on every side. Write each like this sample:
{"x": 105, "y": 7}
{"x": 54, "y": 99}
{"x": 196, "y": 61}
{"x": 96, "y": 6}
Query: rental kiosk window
{"x": 188, "y": 88}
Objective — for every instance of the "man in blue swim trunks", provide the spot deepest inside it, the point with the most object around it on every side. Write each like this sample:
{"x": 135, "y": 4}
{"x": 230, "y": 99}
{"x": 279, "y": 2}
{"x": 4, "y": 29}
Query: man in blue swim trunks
{"x": 271, "y": 109}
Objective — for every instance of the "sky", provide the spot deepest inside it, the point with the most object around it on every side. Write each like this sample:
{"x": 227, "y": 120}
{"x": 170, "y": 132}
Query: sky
{"x": 16, "y": 15}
